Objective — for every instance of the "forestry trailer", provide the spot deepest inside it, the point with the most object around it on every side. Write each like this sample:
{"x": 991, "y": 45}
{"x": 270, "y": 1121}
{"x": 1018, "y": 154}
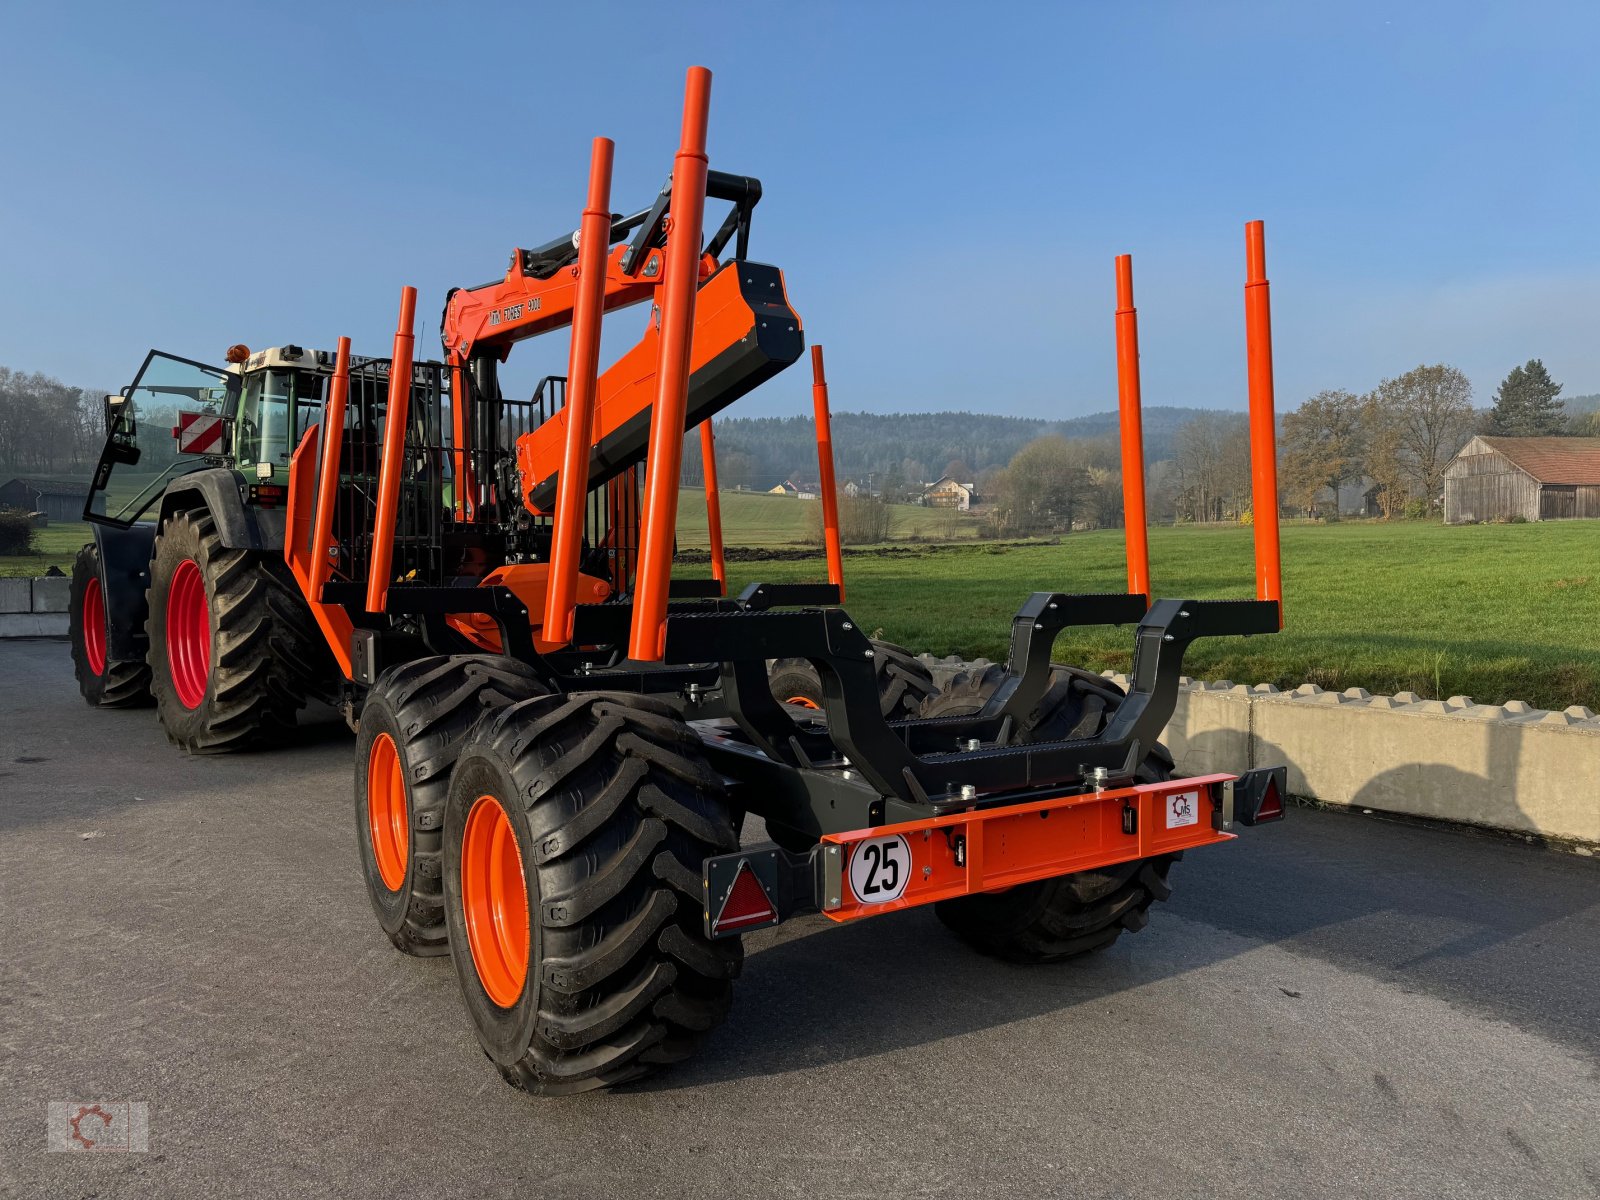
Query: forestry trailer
{"x": 558, "y": 740}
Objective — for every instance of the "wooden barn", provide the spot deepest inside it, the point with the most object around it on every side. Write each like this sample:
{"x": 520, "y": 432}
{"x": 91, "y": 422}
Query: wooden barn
{"x": 1536, "y": 478}
{"x": 59, "y": 500}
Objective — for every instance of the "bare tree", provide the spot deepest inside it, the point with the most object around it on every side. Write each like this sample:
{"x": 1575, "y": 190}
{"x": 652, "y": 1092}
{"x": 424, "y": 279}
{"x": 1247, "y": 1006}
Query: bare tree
{"x": 863, "y": 520}
{"x": 1048, "y": 485}
{"x": 1210, "y": 473}
{"x": 1431, "y": 407}
{"x": 1388, "y": 465}
{"x": 1321, "y": 446}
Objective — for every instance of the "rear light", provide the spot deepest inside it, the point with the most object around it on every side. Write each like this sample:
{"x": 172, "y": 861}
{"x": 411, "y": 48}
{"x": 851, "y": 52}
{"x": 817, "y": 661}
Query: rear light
{"x": 267, "y": 494}
{"x": 1271, "y": 806}
{"x": 747, "y": 907}
{"x": 1254, "y": 798}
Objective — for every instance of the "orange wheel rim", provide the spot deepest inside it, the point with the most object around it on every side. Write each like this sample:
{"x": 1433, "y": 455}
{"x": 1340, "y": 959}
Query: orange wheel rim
{"x": 494, "y": 897}
{"x": 94, "y": 626}
{"x": 189, "y": 634}
{"x": 386, "y": 812}
{"x": 803, "y": 702}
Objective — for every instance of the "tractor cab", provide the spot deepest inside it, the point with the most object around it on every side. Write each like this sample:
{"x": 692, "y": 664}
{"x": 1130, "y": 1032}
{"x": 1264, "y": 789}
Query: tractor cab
{"x": 282, "y": 394}
{"x": 179, "y": 416}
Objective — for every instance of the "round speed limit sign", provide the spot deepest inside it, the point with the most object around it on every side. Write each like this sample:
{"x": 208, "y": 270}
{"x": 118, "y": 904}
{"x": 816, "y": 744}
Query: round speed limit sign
{"x": 880, "y": 868}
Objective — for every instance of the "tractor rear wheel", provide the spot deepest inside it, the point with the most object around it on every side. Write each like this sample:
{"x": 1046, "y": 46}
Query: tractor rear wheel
{"x": 574, "y": 835}
{"x": 103, "y": 682}
{"x": 1056, "y": 919}
{"x": 413, "y": 724}
{"x": 234, "y": 652}
{"x": 904, "y": 681}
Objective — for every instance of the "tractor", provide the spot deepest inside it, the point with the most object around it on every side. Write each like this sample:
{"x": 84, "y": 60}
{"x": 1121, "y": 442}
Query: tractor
{"x": 559, "y": 738}
{"x": 184, "y": 597}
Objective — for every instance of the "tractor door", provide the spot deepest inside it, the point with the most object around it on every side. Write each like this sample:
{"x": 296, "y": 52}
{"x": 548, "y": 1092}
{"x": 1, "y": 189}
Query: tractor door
{"x": 175, "y": 417}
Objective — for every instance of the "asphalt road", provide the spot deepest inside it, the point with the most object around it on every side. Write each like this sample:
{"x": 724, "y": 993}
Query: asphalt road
{"x": 1335, "y": 1006}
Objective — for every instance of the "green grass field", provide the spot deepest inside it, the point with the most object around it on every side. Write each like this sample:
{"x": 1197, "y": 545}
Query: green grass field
{"x": 756, "y": 519}
{"x": 1496, "y": 612}
{"x": 55, "y": 545}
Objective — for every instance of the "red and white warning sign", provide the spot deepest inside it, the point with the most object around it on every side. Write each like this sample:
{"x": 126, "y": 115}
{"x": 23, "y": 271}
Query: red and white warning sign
{"x": 199, "y": 433}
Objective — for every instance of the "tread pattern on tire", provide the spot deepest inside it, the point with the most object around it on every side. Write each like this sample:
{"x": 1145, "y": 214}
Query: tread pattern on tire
{"x": 1076, "y": 703}
{"x": 622, "y": 809}
{"x": 1056, "y": 919}
{"x": 429, "y": 706}
{"x": 267, "y": 655}
{"x": 124, "y": 684}
{"x": 905, "y": 681}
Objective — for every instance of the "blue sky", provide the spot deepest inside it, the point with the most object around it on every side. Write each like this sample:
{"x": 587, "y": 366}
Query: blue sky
{"x": 946, "y": 184}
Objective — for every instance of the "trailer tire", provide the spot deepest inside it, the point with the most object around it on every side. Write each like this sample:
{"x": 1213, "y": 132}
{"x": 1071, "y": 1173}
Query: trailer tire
{"x": 1075, "y": 704}
{"x": 590, "y": 967}
{"x": 415, "y": 720}
{"x": 1056, "y": 919}
{"x": 905, "y": 683}
{"x": 103, "y": 682}
{"x": 234, "y": 652}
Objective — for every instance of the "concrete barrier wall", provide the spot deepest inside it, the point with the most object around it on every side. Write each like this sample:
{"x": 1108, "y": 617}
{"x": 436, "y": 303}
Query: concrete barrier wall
{"x": 34, "y": 607}
{"x": 1508, "y": 766}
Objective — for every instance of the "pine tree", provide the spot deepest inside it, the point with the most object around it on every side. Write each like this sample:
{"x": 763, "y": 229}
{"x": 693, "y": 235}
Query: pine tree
{"x": 1525, "y": 404}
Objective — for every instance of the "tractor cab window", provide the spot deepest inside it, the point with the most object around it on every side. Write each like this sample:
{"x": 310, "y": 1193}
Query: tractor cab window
{"x": 172, "y": 419}
{"x": 277, "y": 408}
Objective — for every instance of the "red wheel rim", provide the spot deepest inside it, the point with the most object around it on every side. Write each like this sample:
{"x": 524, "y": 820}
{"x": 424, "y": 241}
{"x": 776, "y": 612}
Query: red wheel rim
{"x": 386, "y": 812}
{"x": 189, "y": 633}
{"x": 494, "y": 895}
{"x": 94, "y": 626}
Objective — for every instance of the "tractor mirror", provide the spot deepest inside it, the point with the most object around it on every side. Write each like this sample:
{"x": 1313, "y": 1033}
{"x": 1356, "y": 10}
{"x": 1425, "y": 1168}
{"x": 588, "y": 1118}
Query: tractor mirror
{"x": 113, "y": 408}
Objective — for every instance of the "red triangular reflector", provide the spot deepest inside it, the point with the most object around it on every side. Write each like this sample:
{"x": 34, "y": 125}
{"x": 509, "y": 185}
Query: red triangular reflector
{"x": 747, "y": 903}
{"x": 1271, "y": 803}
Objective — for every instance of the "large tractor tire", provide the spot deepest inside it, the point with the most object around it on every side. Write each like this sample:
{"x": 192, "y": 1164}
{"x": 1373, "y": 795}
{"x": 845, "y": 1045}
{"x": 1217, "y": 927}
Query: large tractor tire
{"x": 904, "y": 681}
{"x": 1075, "y": 704}
{"x": 573, "y": 841}
{"x": 234, "y": 652}
{"x": 102, "y": 681}
{"x": 415, "y": 720}
{"x": 1057, "y": 919}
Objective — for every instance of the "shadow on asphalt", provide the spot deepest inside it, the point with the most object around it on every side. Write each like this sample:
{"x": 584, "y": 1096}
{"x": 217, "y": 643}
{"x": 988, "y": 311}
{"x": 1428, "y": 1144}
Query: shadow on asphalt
{"x": 1506, "y": 929}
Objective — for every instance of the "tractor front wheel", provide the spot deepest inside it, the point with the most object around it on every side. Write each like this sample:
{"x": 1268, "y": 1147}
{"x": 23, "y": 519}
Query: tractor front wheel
{"x": 574, "y": 835}
{"x": 234, "y": 653}
{"x": 103, "y": 681}
{"x": 414, "y": 722}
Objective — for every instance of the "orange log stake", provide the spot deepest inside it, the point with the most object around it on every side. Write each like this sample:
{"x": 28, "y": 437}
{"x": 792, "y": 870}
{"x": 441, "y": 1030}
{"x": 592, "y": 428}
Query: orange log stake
{"x": 583, "y": 366}
{"x": 708, "y": 456}
{"x": 1263, "y": 439}
{"x": 466, "y": 503}
{"x": 395, "y": 419}
{"x": 647, "y": 638}
{"x": 830, "y": 491}
{"x": 1135, "y": 538}
{"x": 328, "y": 482}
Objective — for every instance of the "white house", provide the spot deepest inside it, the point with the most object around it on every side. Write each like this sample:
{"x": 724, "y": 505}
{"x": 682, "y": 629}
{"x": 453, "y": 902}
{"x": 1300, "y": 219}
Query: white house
{"x": 950, "y": 493}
